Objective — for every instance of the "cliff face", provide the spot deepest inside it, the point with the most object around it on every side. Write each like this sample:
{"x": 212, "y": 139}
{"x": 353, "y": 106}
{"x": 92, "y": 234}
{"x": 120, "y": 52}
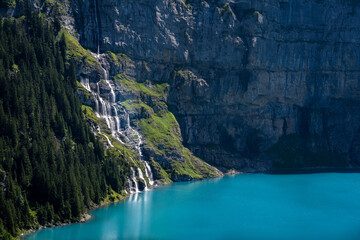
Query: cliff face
{"x": 253, "y": 84}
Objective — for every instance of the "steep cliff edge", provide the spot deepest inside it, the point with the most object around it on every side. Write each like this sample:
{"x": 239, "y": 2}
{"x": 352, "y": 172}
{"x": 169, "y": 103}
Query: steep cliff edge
{"x": 243, "y": 75}
{"x": 251, "y": 85}
{"x": 250, "y": 82}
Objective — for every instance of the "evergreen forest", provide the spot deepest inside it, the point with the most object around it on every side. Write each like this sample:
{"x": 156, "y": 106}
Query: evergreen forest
{"x": 52, "y": 167}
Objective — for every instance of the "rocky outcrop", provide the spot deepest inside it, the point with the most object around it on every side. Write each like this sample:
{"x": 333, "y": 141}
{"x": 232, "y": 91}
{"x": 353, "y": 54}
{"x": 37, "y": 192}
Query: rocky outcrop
{"x": 244, "y": 76}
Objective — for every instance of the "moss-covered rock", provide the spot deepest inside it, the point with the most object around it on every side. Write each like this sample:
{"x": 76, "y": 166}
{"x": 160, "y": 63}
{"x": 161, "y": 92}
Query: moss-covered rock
{"x": 77, "y": 53}
{"x": 162, "y": 135}
{"x": 145, "y": 102}
{"x": 124, "y": 82}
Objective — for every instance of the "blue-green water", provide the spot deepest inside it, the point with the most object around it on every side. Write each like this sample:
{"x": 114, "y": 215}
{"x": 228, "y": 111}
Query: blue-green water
{"x": 258, "y": 206}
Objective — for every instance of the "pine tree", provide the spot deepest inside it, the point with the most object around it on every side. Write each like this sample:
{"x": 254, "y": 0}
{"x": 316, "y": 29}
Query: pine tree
{"x": 53, "y": 163}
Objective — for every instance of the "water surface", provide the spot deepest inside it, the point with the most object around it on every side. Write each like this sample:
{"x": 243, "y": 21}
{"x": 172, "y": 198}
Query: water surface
{"x": 249, "y": 206}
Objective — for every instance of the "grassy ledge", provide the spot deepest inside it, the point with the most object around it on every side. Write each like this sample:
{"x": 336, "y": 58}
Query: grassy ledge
{"x": 147, "y": 88}
{"x": 162, "y": 133}
{"x": 77, "y": 53}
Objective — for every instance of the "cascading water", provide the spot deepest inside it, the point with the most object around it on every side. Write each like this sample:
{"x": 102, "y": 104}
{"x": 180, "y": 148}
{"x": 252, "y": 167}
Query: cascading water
{"x": 107, "y": 109}
{"x": 149, "y": 173}
{"x": 146, "y": 165}
{"x": 85, "y": 82}
{"x": 141, "y": 176}
{"x": 130, "y": 185}
{"x": 133, "y": 178}
{"x": 112, "y": 112}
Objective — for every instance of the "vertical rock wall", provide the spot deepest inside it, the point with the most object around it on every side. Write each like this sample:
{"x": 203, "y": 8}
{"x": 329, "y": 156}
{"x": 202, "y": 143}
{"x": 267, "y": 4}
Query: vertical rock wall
{"x": 246, "y": 77}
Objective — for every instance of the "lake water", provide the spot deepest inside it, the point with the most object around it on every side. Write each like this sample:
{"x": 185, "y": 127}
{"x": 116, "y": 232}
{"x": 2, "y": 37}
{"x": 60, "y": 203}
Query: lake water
{"x": 250, "y": 206}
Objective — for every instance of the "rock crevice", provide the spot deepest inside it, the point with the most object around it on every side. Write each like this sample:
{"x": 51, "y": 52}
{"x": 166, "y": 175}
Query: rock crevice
{"x": 243, "y": 76}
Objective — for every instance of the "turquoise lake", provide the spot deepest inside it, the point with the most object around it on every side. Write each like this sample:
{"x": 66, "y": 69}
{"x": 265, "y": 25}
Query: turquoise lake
{"x": 249, "y": 206}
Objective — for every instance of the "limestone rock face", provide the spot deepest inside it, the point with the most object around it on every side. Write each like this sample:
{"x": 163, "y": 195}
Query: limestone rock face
{"x": 244, "y": 75}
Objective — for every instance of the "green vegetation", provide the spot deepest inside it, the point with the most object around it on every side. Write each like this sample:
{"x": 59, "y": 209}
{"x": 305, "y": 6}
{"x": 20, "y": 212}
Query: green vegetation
{"x": 113, "y": 197}
{"x": 159, "y": 170}
{"x": 186, "y": 74}
{"x": 118, "y": 59}
{"x": 225, "y": 8}
{"x": 52, "y": 168}
{"x": 193, "y": 167}
{"x": 157, "y": 90}
{"x": 91, "y": 116}
{"x": 7, "y": 3}
{"x": 162, "y": 132}
{"x": 137, "y": 105}
{"x": 76, "y": 52}
{"x": 120, "y": 150}
{"x": 187, "y": 4}
{"x": 186, "y": 167}
{"x": 83, "y": 91}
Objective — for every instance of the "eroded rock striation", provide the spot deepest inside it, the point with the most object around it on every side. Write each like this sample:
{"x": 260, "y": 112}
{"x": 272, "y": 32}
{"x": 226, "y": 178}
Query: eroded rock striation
{"x": 253, "y": 84}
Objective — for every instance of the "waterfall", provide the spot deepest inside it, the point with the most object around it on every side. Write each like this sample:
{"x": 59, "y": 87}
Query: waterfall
{"x": 141, "y": 176}
{"x": 113, "y": 112}
{"x": 111, "y": 91}
{"x": 108, "y": 109}
{"x": 108, "y": 140}
{"x": 131, "y": 188}
{"x": 133, "y": 178}
{"x": 85, "y": 82}
{"x": 138, "y": 144}
{"x": 117, "y": 119}
{"x": 149, "y": 173}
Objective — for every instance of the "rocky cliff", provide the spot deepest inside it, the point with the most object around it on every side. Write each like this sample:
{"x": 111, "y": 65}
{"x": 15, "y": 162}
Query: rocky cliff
{"x": 253, "y": 84}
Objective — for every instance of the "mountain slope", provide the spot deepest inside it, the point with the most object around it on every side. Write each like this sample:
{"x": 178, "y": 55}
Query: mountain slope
{"x": 244, "y": 75}
{"x": 60, "y": 157}
{"x": 52, "y": 168}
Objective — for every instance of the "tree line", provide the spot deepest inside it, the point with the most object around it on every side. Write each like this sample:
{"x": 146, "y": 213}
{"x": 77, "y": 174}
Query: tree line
{"x": 52, "y": 167}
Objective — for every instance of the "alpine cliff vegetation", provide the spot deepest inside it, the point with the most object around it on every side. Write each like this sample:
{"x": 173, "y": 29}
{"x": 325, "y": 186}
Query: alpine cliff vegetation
{"x": 100, "y": 99}
{"x": 60, "y": 157}
{"x": 52, "y": 166}
{"x": 251, "y": 83}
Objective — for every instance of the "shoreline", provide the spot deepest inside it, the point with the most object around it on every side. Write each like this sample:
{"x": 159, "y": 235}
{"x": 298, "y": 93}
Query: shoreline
{"x": 86, "y": 217}
{"x": 232, "y": 172}
{"x": 312, "y": 170}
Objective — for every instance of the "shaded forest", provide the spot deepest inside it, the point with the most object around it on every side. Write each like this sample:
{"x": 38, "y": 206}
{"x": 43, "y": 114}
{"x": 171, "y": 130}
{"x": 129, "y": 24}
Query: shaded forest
{"x": 52, "y": 167}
